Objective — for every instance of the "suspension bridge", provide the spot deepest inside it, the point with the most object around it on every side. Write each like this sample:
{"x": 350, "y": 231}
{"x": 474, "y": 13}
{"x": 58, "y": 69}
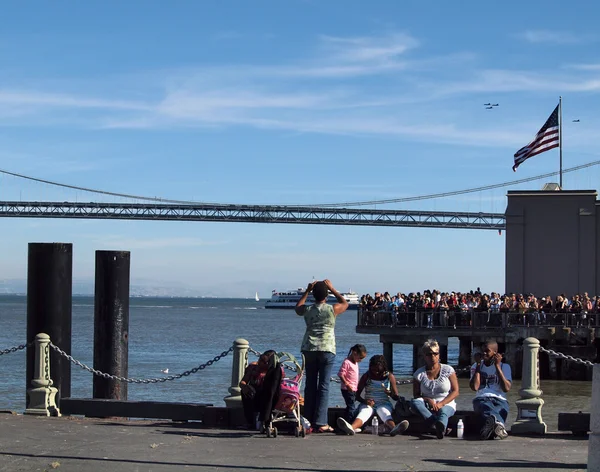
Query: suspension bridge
{"x": 348, "y": 213}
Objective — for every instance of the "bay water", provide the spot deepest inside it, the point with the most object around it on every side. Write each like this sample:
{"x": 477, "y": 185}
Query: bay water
{"x": 181, "y": 333}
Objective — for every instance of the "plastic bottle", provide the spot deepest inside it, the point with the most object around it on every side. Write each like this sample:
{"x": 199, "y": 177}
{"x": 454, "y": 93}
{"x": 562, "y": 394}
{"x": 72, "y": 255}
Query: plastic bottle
{"x": 460, "y": 429}
{"x": 375, "y": 426}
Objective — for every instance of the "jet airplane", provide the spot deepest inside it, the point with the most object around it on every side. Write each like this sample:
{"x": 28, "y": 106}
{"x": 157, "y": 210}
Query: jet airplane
{"x": 575, "y": 121}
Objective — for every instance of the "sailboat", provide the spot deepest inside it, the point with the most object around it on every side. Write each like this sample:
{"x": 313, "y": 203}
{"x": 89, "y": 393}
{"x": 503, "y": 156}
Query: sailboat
{"x": 256, "y": 297}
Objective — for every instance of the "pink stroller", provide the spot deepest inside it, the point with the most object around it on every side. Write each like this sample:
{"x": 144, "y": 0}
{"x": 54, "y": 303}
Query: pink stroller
{"x": 287, "y": 407}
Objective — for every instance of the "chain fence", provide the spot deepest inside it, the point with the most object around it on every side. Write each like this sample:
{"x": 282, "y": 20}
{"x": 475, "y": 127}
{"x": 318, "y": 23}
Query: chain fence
{"x": 140, "y": 381}
{"x": 560, "y": 355}
{"x": 218, "y": 357}
{"x": 14, "y": 349}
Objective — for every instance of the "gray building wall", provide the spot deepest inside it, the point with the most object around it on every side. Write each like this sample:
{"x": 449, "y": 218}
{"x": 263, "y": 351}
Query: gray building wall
{"x": 552, "y": 242}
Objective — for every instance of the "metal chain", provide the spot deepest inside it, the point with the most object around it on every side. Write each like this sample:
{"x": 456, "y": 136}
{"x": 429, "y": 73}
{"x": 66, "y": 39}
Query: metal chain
{"x": 47, "y": 373}
{"x": 254, "y": 351}
{"x": 14, "y": 349}
{"x": 560, "y": 355}
{"x": 141, "y": 381}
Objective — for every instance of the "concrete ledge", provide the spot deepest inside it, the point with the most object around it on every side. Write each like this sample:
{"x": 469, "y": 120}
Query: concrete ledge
{"x": 577, "y": 423}
{"x": 101, "y": 408}
{"x": 470, "y": 419}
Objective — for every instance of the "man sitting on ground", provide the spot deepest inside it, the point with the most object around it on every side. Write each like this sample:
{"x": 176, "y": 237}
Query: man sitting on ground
{"x": 491, "y": 380}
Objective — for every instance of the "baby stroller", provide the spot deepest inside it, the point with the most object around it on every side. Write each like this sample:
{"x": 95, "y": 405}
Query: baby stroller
{"x": 287, "y": 405}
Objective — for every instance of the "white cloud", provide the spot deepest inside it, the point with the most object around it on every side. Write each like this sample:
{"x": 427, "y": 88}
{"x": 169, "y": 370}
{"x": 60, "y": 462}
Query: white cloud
{"x": 42, "y": 99}
{"x": 550, "y": 36}
{"x": 502, "y": 80}
{"x": 587, "y": 67}
{"x": 368, "y": 49}
{"x": 351, "y": 86}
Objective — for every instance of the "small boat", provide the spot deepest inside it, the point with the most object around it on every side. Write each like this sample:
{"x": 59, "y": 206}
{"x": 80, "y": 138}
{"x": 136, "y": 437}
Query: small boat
{"x": 256, "y": 297}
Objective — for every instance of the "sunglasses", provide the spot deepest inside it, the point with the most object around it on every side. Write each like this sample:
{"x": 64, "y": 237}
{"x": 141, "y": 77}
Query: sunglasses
{"x": 432, "y": 353}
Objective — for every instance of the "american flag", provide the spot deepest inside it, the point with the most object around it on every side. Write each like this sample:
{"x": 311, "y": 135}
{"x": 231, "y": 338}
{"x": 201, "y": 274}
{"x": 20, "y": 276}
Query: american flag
{"x": 546, "y": 138}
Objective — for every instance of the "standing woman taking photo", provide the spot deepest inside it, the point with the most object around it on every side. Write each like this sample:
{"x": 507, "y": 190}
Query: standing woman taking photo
{"x": 318, "y": 348}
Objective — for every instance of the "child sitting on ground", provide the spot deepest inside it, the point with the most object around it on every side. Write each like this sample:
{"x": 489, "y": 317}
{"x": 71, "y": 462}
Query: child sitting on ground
{"x": 348, "y": 374}
{"x": 378, "y": 386}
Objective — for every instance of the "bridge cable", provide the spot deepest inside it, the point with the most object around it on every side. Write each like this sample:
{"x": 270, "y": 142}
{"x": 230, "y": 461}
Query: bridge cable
{"x": 103, "y": 192}
{"x": 457, "y": 192}
{"x": 319, "y": 205}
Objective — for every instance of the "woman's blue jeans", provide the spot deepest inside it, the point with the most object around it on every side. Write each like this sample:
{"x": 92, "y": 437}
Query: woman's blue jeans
{"x": 419, "y": 407}
{"x": 318, "y": 365}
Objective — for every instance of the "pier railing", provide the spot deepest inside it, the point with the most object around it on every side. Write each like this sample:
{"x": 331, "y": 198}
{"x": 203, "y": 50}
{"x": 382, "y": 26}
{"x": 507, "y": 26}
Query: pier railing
{"x": 421, "y": 318}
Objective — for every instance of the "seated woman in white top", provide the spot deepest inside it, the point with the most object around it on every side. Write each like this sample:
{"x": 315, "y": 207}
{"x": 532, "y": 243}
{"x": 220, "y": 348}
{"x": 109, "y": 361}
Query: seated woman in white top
{"x": 435, "y": 389}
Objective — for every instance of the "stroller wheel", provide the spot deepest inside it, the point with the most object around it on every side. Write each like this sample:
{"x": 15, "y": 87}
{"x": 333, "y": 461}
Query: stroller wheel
{"x": 268, "y": 432}
{"x": 274, "y": 432}
{"x": 297, "y": 431}
{"x": 302, "y": 432}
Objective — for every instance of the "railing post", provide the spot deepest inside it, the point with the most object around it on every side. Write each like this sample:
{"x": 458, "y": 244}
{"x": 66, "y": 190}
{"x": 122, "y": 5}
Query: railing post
{"x": 240, "y": 360}
{"x": 42, "y": 395}
{"x": 594, "y": 438}
{"x": 529, "y": 416}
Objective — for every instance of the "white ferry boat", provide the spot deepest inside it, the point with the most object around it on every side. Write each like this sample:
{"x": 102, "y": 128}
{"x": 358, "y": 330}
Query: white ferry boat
{"x": 289, "y": 299}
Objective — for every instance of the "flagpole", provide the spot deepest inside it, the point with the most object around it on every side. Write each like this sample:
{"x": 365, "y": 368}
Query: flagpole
{"x": 560, "y": 137}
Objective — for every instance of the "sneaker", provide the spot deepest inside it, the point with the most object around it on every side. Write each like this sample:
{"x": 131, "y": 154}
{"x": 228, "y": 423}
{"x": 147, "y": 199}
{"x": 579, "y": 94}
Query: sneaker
{"x": 357, "y": 430}
{"x": 440, "y": 429}
{"x": 399, "y": 428}
{"x": 500, "y": 430}
{"x": 487, "y": 432}
{"x": 345, "y": 426}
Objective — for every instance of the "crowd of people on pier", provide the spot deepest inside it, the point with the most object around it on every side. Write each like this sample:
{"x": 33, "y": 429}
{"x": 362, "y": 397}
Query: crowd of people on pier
{"x": 435, "y": 308}
{"x": 372, "y": 398}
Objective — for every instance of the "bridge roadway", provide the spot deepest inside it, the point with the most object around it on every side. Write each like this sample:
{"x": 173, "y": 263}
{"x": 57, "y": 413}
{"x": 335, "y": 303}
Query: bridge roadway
{"x": 254, "y": 214}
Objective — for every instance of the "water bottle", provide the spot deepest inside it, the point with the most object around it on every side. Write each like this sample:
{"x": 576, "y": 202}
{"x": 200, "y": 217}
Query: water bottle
{"x": 375, "y": 426}
{"x": 460, "y": 429}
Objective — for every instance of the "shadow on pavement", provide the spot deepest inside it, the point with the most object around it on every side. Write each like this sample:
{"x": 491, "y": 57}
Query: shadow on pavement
{"x": 507, "y": 464}
{"x": 221, "y": 466}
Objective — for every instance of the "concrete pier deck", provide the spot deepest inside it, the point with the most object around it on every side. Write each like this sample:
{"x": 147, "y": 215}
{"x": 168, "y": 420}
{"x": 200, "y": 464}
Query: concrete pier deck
{"x": 71, "y": 444}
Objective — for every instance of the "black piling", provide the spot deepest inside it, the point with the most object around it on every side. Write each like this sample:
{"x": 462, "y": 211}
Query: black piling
{"x": 49, "y": 302}
{"x": 111, "y": 323}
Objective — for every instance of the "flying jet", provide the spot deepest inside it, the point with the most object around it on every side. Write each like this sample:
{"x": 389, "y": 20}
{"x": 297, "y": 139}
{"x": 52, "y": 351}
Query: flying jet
{"x": 495, "y": 104}
{"x": 489, "y": 108}
{"x": 575, "y": 121}
{"x": 487, "y": 104}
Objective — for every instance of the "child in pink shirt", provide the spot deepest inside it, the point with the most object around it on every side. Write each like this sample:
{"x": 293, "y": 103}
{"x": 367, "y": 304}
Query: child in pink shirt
{"x": 348, "y": 374}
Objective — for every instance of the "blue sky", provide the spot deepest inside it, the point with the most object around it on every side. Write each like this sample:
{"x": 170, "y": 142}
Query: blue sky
{"x": 296, "y": 102}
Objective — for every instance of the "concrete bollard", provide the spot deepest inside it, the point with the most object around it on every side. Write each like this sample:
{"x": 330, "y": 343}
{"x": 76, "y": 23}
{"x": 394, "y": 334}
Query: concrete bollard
{"x": 529, "y": 415}
{"x": 594, "y": 438}
{"x": 42, "y": 395}
{"x": 240, "y": 360}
